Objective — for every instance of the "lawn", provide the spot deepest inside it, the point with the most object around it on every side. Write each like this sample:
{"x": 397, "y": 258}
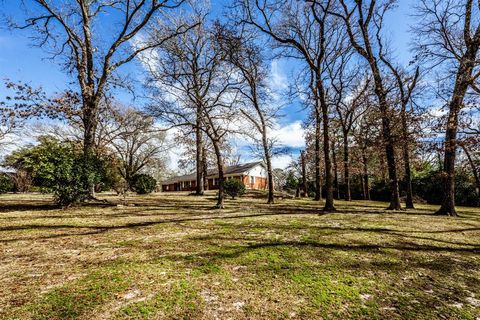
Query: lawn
{"x": 175, "y": 257}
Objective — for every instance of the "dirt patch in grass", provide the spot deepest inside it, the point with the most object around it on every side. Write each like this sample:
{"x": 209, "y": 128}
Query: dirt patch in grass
{"x": 172, "y": 256}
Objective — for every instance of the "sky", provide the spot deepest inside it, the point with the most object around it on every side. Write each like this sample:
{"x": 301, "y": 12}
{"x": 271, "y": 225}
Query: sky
{"x": 20, "y": 61}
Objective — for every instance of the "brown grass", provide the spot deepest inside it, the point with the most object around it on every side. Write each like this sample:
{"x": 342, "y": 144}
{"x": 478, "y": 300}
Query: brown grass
{"x": 172, "y": 256}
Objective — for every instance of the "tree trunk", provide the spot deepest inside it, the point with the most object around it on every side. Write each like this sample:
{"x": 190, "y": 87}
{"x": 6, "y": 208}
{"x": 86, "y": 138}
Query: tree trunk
{"x": 329, "y": 203}
{"x": 335, "y": 170}
{"x": 318, "y": 173}
{"x": 346, "y": 166}
{"x": 364, "y": 193}
{"x": 268, "y": 161}
{"x": 387, "y": 139}
{"x": 89, "y": 125}
{"x": 221, "y": 178}
{"x": 366, "y": 190}
{"x": 266, "y": 150}
{"x": 476, "y": 175}
{"x": 406, "y": 159}
{"x": 204, "y": 168}
{"x": 304, "y": 175}
{"x": 448, "y": 197}
{"x": 408, "y": 177}
{"x": 461, "y": 85}
{"x": 392, "y": 170}
{"x": 199, "y": 187}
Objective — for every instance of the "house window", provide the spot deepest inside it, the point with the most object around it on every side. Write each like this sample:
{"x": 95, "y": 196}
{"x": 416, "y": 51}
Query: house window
{"x": 252, "y": 180}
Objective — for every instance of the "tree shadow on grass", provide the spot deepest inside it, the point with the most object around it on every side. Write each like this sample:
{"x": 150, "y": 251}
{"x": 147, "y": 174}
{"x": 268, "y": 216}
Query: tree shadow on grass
{"x": 13, "y": 206}
{"x": 233, "y": 252}
{"x": 299, "y": 211}
{"x": 37, "y": 205}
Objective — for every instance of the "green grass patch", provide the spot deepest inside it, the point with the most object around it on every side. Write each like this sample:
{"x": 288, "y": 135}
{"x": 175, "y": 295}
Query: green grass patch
{"x": 79, "y": 297}
{"x": 179, "y": 301}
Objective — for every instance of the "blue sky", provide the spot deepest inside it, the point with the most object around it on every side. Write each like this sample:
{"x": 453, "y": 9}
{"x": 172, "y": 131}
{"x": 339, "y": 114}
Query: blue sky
{"x": 20, "y": 61}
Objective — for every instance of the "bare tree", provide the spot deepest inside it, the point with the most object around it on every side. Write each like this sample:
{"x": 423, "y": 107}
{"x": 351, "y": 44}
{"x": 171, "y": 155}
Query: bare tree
{"x": 138, "y": 143}
{"x": 193, "y": 87}
{"x": 367, "y": 138}
{"x": 71, "y": 32}
{"x": 350, "y": 89}
{"x": 185, "y": 66}
{"x": 406, "y": 84}
{"x": 247, "y": 58}
{"x": 23, "y": 102}
{"x": 363, "y": 24}
{"x": 309, "y": 33}
{"x": 449, "y": 36}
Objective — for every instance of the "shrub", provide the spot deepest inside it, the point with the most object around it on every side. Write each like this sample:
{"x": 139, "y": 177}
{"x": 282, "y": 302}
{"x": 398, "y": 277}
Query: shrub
{"x": 292, "y": 183}
{"x": 380, "y": 191}
{"x": 6, "y": 184}
{"x": 143, "y": 183}
{"x": 429, "y": 186}
{"x": 234, "y": 188}
{"x": 60, "y": 168}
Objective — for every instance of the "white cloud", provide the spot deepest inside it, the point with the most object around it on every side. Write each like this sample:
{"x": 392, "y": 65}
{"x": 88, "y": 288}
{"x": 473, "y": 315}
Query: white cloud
{"x": 282, "y": 161}
{"x": 290, "y": 135}
{"x": 438, "y": 112}
{"x": 278, "y": 78}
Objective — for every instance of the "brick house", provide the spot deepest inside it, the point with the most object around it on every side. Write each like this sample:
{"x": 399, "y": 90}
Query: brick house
{"x": 253, "y": 175}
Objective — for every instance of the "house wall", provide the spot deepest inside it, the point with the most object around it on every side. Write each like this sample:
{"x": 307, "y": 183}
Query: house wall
{"x": 259, "y": 181}
{"x": 168, "y": 187}
{"x": 257, "y": 171}
{"x": 179, "y": 186}
{"x": 260, "y": 178}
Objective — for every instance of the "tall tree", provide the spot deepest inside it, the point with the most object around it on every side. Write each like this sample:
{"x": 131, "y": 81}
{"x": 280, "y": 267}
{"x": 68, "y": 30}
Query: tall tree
{"x": 406, "y": 84}
{"x": 363, "y": 24}
{"x": 247, "y": 58}
{"x": 192, "y": 86}
{"x": 138, "y": 142}
{"x": 185, "y": 66}
{"x": 72, "y": 32}
{"x": 449, "y": 36}
{"x": 350, "y": 88}
{"x": 308, "y": 33}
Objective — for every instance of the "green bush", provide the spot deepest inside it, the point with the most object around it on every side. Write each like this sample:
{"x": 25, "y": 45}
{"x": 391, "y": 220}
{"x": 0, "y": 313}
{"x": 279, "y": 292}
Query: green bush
{"x": 60, "y": 168}
{"x": 143, "y": 183}
{"x": 380, "y": 191}
{"x": 429, "y": 186}
{"x": 234, "y": 188}
{"x": 6, "y": 184}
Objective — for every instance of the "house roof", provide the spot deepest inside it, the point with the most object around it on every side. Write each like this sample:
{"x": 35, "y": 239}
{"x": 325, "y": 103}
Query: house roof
{"x": 239, "y": 168}
{"x": 212, "y": 172}
{"x": 186, "y": 177}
